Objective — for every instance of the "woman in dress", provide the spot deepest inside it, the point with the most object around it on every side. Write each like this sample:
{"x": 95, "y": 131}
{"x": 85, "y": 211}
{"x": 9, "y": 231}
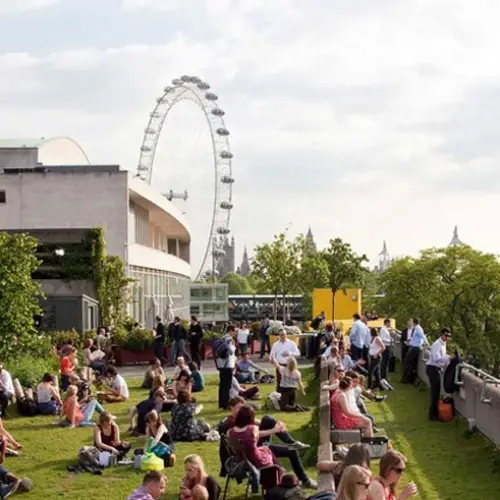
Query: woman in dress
{"x": 247, "y": 433}
{"x": 343, "y": 418}
{"x": 183, "y": 426}
{"x": 158, "y": 439}
{"x": 195, "y": 475}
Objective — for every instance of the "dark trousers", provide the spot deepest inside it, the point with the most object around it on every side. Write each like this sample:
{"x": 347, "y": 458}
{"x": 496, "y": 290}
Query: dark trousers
{"x": 366, "y": 357}
{"x": 158, "y": 349}
{"x": 278, "y": 379}
{"x": 283, "y": 451}
{"x": 249, "y": 393}
{"x": 384, "y": 364}
{"x": 288, "y": 400}
{"x": 266, "y": 424}
{"x": 356, "y": 352}
{"x": 225, "y": 379}
{"x": 410, "y": 365}
{"x": 264, "y": 342}
{"x": 434, "y": 375}
{"x": 404, "y": 352}
{"x": 195, "y": 353}
{"x": 4, "y": 402}
{"x": 374, "y": 372}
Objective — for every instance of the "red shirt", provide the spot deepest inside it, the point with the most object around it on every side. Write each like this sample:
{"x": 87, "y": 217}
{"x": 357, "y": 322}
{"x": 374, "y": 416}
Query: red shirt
{"x": 66, "y": 366}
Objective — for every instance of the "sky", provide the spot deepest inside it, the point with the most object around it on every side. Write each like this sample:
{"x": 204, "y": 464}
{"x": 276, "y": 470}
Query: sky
{"x": 367, "y": 120}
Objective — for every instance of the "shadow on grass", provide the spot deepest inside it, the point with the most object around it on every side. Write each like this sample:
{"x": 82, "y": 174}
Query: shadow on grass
{"x": 441, "y": 460}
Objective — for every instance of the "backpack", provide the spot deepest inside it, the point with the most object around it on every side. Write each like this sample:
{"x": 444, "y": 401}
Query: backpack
{"x": 27, "y": 407}
{"x": 221, "y": 348}
{"x": 88, "y": 457}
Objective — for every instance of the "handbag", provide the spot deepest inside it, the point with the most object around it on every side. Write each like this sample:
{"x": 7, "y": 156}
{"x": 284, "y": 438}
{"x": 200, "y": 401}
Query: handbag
{"x": 377, "y": 446}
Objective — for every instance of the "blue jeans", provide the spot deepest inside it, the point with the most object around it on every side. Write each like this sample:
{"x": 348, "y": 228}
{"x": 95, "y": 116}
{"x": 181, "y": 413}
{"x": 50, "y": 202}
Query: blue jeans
{"x": 179, "y": 349}
{"x": 264, "y": 341}
{"x": 88, "y": 412}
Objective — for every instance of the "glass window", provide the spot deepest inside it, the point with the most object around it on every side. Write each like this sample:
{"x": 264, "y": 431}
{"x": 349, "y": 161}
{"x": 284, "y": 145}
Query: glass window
{"x": 208, "y": 309}
{"x": 195, "y": 310}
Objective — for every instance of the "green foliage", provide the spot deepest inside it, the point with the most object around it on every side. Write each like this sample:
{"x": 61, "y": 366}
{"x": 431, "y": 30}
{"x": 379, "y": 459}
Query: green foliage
{"x": 19, "y": 294}
{"x": 137, "y": 339}
{"x": 61, "y": 337}
{"x": 237, "y": 285}
{"x": 277, "y": 265}
{"x": 345, "y": 268}
{"x": 457, "y": 287}
{"x": 30, "y": 369}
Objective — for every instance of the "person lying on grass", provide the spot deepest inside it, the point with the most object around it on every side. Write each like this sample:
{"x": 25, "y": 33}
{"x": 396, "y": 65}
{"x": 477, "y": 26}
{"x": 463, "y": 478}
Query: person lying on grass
{"x": 117, "y": 390}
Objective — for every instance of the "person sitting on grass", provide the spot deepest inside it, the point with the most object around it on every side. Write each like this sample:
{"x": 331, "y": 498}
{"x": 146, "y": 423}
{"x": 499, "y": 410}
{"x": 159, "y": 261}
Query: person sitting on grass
{"x": 107, "y": 436}
{"x": 183, "y": 426}
{"x": 343, "y": 418}
{"x": 247, "y": 371}
{"x": 94, "y": 359}
{"x": 68, "y": 365}
{"x": 48, "y": 399}
{"x": 9, "y": 483}
{"x": 290, "y": 380}
{"x": 243, "y": 391}
{"x": 140, "y": 411}
{"x": 117, "y": 391}
{"x": 74, "y": 415}
{"x": 155, "y": 369}
{"x": 196, "y": 377}
{"x": 182, "y": 383}
{"x": 288, "y": 488}
{"x": 6, "y": 389}
{"x": 158, "y": 439}
{"x": 158, "y": 383}
{"x": 154, "y": 485}
{"x": 180, "y": 366}
{"x": 12, "y": 446}
{"x": 195, "y": 478}
{"x": 266, "y": 428}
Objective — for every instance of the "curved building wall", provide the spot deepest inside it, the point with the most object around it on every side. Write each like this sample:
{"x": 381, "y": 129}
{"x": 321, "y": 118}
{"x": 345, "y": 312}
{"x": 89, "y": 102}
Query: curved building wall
{"x": 61, "y": 151}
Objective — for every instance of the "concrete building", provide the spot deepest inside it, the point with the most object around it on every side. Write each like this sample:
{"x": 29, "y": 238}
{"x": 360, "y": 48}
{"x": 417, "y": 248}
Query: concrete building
{"x": 58, "y": 202}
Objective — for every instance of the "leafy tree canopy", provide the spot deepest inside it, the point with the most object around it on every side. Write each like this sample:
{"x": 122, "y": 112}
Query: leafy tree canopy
{"x": 237, "y": 285}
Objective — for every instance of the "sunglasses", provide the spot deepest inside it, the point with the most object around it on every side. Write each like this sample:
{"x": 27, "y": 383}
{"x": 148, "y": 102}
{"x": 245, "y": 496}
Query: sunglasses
{"x": 399, "y": 470}
{"x": 366, "y": 485}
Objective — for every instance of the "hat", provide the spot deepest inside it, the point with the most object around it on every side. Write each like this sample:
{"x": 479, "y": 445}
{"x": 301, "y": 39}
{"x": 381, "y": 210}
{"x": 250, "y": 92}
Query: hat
{"x": 289, "y": 481}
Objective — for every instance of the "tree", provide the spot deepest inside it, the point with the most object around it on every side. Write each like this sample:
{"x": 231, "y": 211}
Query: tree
{"x": 457, "y": 287}
{"x": 237, "y": 285}
{"x": 276, "y": 265}
{"x": 345, "y": 268}
{"x": 19, "y": 293}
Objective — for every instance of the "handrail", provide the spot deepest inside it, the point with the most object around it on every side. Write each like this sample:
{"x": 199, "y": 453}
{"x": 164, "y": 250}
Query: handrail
{"x": 486, "y": 377}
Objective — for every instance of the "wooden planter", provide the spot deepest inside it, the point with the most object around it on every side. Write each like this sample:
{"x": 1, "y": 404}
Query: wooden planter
{"x": 124, "y": 357}
{"x": 207, "y": 352}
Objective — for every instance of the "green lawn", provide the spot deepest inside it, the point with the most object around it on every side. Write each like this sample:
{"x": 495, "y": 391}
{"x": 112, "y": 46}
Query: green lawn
{"x": 444, "y": 462}
{"x": 49, "y": 450}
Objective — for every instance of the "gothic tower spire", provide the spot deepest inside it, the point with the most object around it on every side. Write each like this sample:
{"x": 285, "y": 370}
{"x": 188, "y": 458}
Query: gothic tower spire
{"x": 455, "y": 240}
{"x": 245, "y": 264}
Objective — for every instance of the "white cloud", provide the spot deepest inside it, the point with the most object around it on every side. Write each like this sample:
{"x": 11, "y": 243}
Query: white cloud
{"x": 9, "y": 6}
{"x": 367, "y": 120}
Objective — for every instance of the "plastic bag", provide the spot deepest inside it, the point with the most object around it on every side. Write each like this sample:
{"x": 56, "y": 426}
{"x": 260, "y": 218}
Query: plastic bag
{"x": 150, "y": 462}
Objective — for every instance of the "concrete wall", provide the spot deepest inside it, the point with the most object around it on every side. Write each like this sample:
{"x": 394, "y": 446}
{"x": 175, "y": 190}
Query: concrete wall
{"x": 75, "y": 288}
{"x": 58, "y": 200}
{"x": 18, "y": 158}
{"x": 476, "y": 400}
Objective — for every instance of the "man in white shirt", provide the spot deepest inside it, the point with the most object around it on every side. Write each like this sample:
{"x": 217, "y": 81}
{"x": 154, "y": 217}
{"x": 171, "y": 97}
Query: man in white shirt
{"x": 6, "y": 389}
{"x": 118, "y": 390}
{"x": 282, "y": 351}
{"x": 438, "y": 359}
{"x": 386, "y": 337}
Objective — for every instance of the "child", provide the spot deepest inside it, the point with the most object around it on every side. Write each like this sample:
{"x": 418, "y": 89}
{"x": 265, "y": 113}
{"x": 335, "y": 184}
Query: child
{"x": 199, "y": 492}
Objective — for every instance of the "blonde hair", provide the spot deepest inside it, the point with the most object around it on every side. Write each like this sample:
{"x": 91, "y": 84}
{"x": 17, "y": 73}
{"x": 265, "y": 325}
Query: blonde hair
{"x": 105, "y": 417}
{"x": 72, "y": 390}
{"x": 199, "y": 492}
{"x": 291, "y": 364}
{"x": 351, "y": 476}
{"x": 196, "y": 461}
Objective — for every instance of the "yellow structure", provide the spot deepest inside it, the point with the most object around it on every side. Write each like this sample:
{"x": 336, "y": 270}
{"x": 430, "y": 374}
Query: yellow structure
{"x": 346, "y": 304}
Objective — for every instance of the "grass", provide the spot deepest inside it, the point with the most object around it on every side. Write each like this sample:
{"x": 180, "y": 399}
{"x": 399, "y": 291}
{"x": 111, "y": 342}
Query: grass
{"x": 444, "y": 461}
{"x": 48, "y": 450}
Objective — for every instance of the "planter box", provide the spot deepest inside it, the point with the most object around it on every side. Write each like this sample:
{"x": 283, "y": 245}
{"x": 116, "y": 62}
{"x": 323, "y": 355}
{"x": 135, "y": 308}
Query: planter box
{"x": 207, "y": 352}
{"x": 125, "y": 357}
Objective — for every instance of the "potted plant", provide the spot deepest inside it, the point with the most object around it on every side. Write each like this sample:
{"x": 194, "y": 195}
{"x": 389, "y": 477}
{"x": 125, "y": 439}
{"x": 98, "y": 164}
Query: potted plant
{"x": 133, "y": 347}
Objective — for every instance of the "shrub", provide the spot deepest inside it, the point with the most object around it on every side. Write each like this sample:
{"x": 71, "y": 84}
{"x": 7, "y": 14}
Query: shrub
{"x": 255, "y": 327}
{"x": 30, "y": 369}
{"x": 212, "y": 335}
{"x": 137, "y": 339}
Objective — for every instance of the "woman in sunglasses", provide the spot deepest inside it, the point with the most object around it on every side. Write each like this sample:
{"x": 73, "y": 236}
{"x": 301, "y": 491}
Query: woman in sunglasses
{"x": 383, "y": 487}
{"x": 354, "y": 483}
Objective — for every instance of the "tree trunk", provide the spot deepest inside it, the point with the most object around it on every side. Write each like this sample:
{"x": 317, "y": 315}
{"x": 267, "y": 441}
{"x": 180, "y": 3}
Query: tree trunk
{"x": 334, "y": 291}
{"x": 275, "y": 307}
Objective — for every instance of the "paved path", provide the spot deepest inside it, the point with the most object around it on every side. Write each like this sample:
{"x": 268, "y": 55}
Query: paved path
{"x": 208, "y": 367}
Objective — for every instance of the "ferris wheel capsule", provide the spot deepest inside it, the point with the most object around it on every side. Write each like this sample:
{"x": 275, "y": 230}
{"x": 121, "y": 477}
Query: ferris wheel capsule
{"x": 218, "y": 112}
{"x": 222, "y": 131}
{"x": 186, "y": 78}
{"x": 226, "y": 155}
{"x": 226, "y": 205}
{"x": 211, "y": 96}
{"x": 196, "y": 80}
{"x": 226, "y": 179}
{"x": 203, "y": 86}
{"x": 177, "y": 81}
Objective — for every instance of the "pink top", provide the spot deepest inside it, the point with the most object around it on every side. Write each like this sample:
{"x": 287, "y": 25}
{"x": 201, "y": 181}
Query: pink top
{"x": 339, "y": 419}
{"x": 259, "y": 456}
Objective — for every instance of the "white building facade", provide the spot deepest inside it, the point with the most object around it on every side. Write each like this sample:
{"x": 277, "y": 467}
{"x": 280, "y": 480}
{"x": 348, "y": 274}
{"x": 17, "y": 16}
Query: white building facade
{"x": 142, "y": 227}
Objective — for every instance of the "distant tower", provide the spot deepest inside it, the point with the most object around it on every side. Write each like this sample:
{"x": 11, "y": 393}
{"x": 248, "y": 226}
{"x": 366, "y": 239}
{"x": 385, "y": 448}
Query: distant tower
{"x": 245, "y": 264}
{"x": 227, "y": 262}
{"x": 310, "y": 240}
{"x": 384, "y": 259}
{"x": 455, "y": 240}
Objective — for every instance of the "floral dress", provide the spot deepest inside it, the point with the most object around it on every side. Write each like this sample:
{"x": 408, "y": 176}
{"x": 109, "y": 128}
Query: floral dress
{"x": 183, "y": 427}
